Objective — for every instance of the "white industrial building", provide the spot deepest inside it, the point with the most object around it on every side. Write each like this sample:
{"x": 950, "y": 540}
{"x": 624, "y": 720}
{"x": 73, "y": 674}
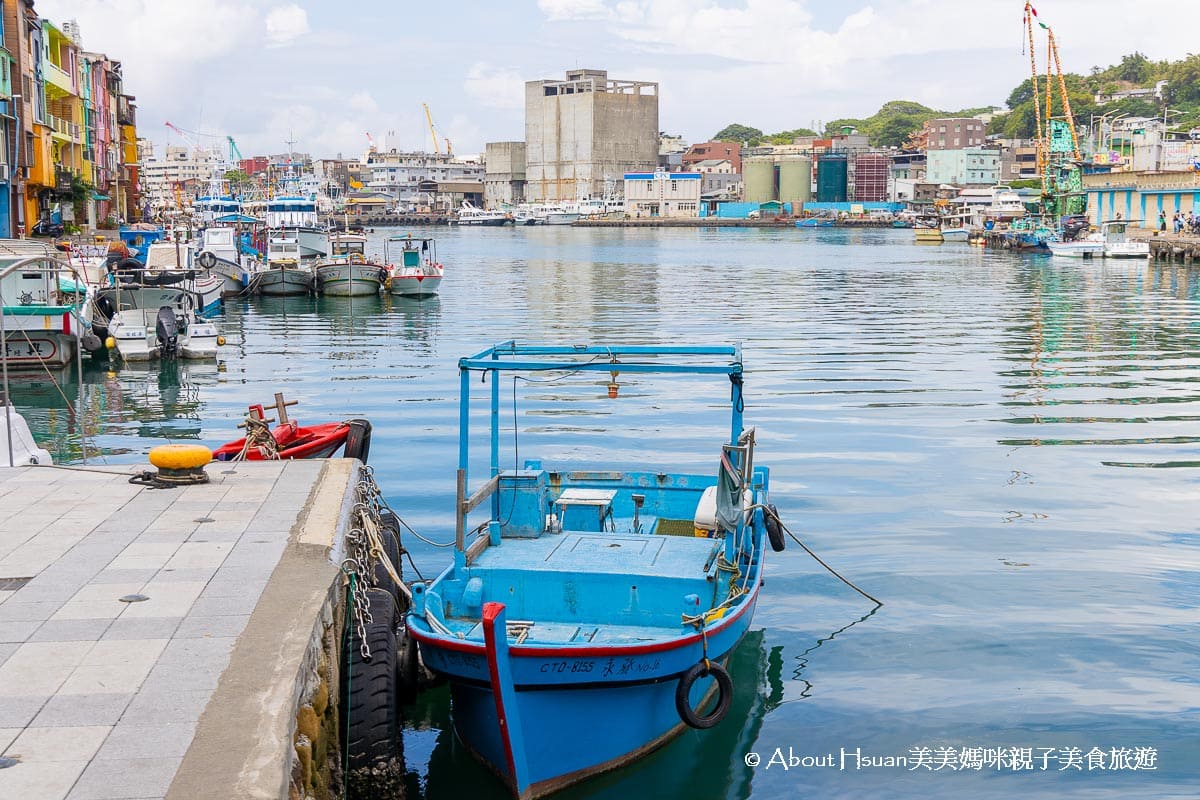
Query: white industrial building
{"x": 662, "y": 194}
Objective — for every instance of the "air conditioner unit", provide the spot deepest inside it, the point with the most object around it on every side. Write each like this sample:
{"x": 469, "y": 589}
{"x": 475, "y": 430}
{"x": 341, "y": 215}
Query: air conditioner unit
{"x": 3, "y": 172}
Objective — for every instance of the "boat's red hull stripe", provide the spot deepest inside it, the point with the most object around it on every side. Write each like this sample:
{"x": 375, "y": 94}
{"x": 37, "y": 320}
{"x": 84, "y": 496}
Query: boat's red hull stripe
{"x": 523, "y": 651}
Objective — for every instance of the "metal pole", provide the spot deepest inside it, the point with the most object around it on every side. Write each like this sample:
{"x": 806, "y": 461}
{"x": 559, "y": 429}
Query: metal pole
{"x": 7, "y": 403}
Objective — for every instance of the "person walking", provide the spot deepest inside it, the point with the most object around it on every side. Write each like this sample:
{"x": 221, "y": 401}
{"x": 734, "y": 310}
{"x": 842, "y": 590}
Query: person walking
{"x": 1162, "y": 221}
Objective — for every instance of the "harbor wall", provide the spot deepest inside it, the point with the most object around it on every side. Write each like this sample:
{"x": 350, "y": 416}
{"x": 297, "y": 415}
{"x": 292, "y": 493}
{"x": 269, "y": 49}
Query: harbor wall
{"x": 271, "y": 728}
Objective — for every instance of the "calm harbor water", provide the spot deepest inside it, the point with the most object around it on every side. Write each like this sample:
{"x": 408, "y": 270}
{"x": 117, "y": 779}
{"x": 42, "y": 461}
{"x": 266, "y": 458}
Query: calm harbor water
{"x": 1004, "y": 449}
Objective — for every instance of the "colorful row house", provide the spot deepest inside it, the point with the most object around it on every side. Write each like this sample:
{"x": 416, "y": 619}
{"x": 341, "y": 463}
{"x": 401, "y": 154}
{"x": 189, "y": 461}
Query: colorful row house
{"x": 68, "y": 153}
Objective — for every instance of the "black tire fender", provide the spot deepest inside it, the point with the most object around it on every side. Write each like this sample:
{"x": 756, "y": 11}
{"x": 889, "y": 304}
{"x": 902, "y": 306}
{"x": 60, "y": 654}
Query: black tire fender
{"x": 369, "y": 702}
{"x": 683, "y": 704}
{"x": 774, "y": 528}
{"x": 407, "y": 678}
{"x": 358, "y": 441}
{"x": 207, "y": 259}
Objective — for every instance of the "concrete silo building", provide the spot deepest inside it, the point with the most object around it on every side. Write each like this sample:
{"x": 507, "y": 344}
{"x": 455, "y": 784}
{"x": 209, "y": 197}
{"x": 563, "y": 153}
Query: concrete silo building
{"x": 584, "y": 130}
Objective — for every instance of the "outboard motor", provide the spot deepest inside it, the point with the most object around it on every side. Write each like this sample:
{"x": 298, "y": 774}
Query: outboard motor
{"x": 166, "y": 327}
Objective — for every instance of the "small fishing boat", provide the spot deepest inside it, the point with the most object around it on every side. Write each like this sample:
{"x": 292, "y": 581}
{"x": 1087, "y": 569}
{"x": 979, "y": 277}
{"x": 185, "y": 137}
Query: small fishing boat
{"x": 145, "y": 321}
{"x": 1117, "y": 243}
{"x": 166, "y": 259}
{"x": 590, "y": 617}
{"x": 815, "y": 222}
{"x": 416, "y": 272}
{"x": 928, "y": 234}
{"x": 221, "y": 253}
{"x": 348, "y": 272}
{"x": 289, "y": 439}
{"x": 284, "y": 274}
{"x": 40, "y": 323}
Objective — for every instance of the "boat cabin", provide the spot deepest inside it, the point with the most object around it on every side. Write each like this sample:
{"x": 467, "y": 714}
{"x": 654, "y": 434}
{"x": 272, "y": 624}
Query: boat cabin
{"x": 407, "y": 251}
{"x": 347, "y": 245}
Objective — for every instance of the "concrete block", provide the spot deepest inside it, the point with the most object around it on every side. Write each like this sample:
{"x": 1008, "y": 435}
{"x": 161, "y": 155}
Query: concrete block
{"x": 167, "y": 599}
{"x": 39, "y": 668}
{"x": 142, "y": 628}
{"x": 21, "y": 610}
{"x": 18, "y": 630}
{"x": 143, "y": 555}
{"x": 65, "y": 743}
{"x": 198, "y": 652}
{"x": 17, "y": 711}
{"x": 41, "y": 780}
{"x": 168, "y": 740}
{"x": 121, "y": 778}
{"x": 153, "y": 708}
{"x": 199, "y": 554}
{"x": 8, "y": 648}
{"x": 83, "y": 709}
{"x": 70, "y": 630}
{"x": 222, "y": 606}
{"x": 196, "y": 626}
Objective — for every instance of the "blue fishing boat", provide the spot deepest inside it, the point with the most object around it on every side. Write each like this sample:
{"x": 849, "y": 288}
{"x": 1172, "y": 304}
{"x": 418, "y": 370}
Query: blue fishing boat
{"x": 589, "y": 618}
{"x": 815, "y": 222}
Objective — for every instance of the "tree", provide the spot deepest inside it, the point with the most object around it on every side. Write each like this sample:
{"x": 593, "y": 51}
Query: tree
{"x": 1183, "y": 82}
{"x": 787, "y": 137}
{"x": 238, "y": 180}
{"x": 1135, "y": 68}
{"x": 737, "y": 133}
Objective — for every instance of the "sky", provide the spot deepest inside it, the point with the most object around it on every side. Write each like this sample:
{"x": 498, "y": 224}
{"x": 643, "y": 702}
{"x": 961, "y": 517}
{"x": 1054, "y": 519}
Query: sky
{"x": 325, "y": 74}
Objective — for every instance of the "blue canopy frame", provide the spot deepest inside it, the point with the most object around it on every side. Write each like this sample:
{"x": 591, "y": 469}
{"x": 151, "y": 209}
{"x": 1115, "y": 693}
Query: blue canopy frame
{"x": 510, "y": 356}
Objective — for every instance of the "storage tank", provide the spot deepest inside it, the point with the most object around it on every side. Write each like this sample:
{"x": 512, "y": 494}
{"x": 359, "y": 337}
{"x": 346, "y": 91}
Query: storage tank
{"x": 758, "y": 179}
{"x": 831, "y": 178}
{"x": 795, "y": 179}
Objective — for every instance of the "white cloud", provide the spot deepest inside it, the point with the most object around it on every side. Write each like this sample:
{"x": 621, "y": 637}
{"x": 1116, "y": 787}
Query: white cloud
{"x": 557, "y": 10}
{"x": 495, "y": 87}
{"x": 286, "y": 24}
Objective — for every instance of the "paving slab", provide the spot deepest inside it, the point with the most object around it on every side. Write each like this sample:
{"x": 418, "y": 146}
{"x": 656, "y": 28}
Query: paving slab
{"x": 102, "y": 697}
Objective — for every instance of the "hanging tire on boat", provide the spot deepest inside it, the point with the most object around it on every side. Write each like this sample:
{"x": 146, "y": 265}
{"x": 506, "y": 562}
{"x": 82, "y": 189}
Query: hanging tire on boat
{"x": 407, "y": 678}
{"x": 358, "y": 441}
{"x": 774, "y": 528}
{"x": 374, "y": 765}
{"x": 683, "y": 704}
{"x": 207, "y": 259}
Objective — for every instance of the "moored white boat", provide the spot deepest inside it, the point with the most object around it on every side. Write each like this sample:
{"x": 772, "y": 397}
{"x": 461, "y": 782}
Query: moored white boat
{"x": 348, "y": 272}
{"x": 219, "y": 251}
{"x": 41, "y": 324}
{"x": 1090, "y": 247}
{"x": 415, "y": 272}
{"x": 285, "y": 273}
{"x": 473, "y": 215}
{"x": 1117, "y": 243}
{"x": 159, "y": 322}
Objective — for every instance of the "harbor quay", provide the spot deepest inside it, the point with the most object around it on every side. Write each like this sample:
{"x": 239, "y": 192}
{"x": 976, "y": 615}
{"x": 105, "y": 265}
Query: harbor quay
{"x": 170, "y": 642}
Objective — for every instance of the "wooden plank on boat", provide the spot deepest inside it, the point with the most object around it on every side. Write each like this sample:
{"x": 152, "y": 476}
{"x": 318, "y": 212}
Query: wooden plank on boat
{"x": 478, "y": 546}
{"x": 484, "y": 493}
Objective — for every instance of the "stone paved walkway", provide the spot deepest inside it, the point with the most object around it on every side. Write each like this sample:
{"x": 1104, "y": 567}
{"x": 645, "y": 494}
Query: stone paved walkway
{"x": 99, "y": 698}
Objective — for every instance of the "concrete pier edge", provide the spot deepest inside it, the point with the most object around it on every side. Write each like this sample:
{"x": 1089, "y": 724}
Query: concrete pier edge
{"x": 243, "y": 745}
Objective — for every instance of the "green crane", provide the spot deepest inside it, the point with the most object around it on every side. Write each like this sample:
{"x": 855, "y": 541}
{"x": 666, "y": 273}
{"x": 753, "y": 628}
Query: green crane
{"x": 233, "y": 151}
